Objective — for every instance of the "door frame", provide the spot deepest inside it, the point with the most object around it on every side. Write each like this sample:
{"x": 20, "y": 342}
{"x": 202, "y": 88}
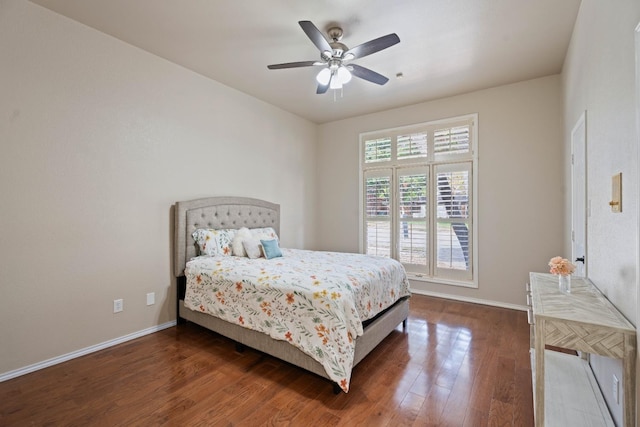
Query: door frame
{"x": 637, "y": 50}
{"x": 581, "y": 122}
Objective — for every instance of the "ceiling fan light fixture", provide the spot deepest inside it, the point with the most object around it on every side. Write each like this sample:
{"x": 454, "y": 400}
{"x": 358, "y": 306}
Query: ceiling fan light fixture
{"x": 324, "y": 76}
{"x": 344, "y": 75}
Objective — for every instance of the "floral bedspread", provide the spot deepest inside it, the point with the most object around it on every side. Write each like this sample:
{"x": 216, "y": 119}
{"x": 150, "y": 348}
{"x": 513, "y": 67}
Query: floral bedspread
{"x": 315, "y": 300}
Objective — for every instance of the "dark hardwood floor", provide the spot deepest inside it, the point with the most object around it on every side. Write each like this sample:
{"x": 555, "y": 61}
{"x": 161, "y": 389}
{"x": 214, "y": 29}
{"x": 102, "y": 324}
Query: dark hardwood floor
{"x": 458, "y": 364}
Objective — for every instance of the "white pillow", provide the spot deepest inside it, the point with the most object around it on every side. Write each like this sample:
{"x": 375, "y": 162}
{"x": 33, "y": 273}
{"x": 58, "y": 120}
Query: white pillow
{"x": 253, "y": 248}
{"x": 265, "y": 233}
{"x": 237, "y": 244}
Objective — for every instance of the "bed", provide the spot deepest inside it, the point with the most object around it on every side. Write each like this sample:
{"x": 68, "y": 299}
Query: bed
{"x": 359, "y": 337}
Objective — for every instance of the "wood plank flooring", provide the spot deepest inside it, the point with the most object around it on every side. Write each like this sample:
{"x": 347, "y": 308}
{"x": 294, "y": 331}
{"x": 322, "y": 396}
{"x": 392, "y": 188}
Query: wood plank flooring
{"x": 458, "y": 364}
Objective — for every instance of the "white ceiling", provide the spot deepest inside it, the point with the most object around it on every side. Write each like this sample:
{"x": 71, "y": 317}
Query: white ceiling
{"x": 447, "y": 47}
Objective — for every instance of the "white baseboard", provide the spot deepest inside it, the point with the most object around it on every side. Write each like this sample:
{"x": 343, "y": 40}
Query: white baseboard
{"x": 91, "y": 349}
{"x": 472, "y": 300}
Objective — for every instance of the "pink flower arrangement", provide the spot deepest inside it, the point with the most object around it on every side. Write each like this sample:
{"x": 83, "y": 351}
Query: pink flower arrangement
{"x": 561, "y": 266}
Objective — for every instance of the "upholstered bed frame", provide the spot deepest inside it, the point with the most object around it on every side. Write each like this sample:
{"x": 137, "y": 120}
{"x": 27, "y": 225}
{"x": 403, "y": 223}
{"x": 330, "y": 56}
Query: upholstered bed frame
{"x": 237, "y": 212}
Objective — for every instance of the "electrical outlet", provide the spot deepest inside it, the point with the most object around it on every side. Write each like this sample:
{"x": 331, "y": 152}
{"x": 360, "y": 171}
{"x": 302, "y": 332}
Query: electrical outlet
{"x": 616, "y": 389}
{"x": 118, "y": 305}
{"x": 151, "y": 298}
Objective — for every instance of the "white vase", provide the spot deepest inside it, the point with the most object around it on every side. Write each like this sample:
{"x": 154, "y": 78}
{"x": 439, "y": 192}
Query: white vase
{"x": 564, "y": 282}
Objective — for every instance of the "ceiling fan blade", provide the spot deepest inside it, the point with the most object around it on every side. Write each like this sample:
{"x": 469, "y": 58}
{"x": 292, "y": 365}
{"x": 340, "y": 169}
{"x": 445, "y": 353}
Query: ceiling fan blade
{"x": 294, "y": 65}
{"x": 367, "y": 74}
{"x": 322, "y": 89}
{"x": 315, "y": 35}
{"x": 372, "y": 46}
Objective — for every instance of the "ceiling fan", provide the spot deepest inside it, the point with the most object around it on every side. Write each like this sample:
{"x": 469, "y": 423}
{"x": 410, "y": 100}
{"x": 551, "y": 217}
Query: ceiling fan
{"x": 335, "y": 58}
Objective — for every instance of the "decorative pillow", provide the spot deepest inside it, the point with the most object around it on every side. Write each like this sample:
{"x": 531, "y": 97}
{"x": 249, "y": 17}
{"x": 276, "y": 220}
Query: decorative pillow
{"x": 252, "y": 248}
{"x": 214, "y": 242}
{"x": 237, "y": 243}
{"x": 271, "y": 248}
{"x": 265, "y": 232}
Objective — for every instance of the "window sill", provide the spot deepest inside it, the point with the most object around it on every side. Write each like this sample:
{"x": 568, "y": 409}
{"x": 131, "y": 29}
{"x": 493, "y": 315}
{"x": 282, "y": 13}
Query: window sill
{"x": 440, "y": 281}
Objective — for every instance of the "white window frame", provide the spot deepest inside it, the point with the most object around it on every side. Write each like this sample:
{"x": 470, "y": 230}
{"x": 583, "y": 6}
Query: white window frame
{"x": 431, "y": 163}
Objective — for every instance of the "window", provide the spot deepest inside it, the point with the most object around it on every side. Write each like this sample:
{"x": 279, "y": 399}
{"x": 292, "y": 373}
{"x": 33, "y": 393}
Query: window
{"x": 418, "y": 198}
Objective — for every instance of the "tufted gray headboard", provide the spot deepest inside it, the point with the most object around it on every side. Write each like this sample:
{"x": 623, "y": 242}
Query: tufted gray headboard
{"x": 216, "y": 213}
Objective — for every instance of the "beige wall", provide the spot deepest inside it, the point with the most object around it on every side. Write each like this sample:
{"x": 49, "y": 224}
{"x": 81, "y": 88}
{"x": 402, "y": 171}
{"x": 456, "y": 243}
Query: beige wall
{"x": 520, "y": 200}
{"x": 97, "y": 140}
{"x": 599, "y": 77}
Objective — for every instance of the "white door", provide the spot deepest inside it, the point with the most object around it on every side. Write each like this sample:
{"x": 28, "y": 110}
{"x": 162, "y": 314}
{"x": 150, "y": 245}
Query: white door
{"x": 579, "y": 195}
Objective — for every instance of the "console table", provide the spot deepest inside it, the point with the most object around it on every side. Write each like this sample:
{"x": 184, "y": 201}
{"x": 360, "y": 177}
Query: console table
{"x": 583, "y": 320}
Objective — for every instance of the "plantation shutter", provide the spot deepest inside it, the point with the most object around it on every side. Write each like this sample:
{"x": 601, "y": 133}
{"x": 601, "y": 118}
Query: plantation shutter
{"x": 452, "y": 141}
{"x": 377, "y": 150}
{"x": 412, "y": 234}
{"x": 378, "y": 212}
{"x": 453, "y": 243}
{"x": 412, "y": 146}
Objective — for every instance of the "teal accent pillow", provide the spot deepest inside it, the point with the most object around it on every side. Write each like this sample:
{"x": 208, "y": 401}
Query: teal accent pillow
{"x": 271, "y": 248}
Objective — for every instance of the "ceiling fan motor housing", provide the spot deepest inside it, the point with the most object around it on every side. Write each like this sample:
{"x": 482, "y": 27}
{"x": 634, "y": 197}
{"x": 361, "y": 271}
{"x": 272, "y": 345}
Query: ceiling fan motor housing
{"x": 335, "y": 34}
